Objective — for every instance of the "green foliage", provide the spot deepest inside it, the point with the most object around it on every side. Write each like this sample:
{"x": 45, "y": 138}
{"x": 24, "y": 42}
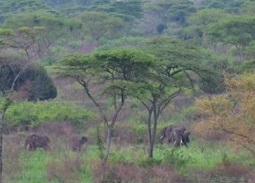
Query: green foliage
{"x": 184, "y": 60}
{"x": 12, "y": 6}
{"x": 171, "y": 10}
{"x": 102, "y": 25}
{"x": 129, "y": 10}
{"x": 124, "y": 41}
{"x": 34, "y": 114}
{"x": 232, "y": 6}
{"x": 140, "y": 132}
{"x": 236, "y": 30}
{"x": 176, "y": 158}
{"x": 116, "y": 157}
{"x": 200, "y": 20}
{"x": 42, "y": 86}
{"x": 149, "y": 162}
{"x": 31, "y": 79}
{"x": 5, "y": 103}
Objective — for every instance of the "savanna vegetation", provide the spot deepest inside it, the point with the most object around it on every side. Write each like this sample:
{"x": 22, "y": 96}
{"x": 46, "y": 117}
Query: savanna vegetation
{"x": 117, "y": 72}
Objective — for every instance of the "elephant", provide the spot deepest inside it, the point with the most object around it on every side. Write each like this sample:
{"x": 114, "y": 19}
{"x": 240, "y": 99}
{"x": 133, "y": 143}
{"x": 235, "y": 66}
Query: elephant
{"x": 37, "y": 141}
{"x": 175, "y": 134}
{"x": 76, "y": 142}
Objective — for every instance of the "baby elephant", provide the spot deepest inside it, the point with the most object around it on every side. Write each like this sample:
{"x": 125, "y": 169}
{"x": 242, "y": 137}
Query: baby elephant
{"x": 37, "y": 141}
{"x": 76, "y": 142}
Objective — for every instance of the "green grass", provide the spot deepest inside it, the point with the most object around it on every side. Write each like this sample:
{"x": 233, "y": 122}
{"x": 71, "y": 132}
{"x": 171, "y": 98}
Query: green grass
{"x": 34, "y": 166}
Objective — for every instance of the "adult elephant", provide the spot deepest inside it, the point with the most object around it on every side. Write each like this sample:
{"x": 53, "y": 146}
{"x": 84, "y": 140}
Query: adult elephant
{"x": 175, "y": 134}
{"x": 35, "y": 141}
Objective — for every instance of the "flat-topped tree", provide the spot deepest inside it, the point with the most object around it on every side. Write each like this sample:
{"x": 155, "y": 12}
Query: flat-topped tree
{"x": 153, "y": 80}
{"x": 176, "y": 71}
{"x": 115, "y": 73}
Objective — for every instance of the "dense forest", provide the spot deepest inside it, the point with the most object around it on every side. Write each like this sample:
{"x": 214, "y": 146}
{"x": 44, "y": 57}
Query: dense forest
{"x": 117, "y": 73}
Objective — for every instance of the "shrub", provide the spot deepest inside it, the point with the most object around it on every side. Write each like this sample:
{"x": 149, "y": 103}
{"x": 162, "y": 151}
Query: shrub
{"x": 34, "y": 114}
{"x": 149, "y": 162}
{"x": 176, "y": 158}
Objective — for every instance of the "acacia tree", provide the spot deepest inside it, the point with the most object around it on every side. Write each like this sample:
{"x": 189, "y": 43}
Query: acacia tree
{"x": 231, "y": 114}
{"x": 203, "y": 18}
{"x": 237, "y": 31}
{"x": 101, "y": 25}
{"x": 176, "y": 71}
{"x": 154, "y": 81}
{"x": 114, "y": 73}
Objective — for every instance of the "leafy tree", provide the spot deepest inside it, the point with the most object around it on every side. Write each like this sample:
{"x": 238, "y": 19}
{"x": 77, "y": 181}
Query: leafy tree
{"x": 33, "y": 83}
{"x": 101, "y": 25}
{"x": 129, "y": 10}
{"x": 36, "y": 83}
{"x": 238, "y": 31}
{"x": 175, "y": 72}
{"x": 232, "y": 113}
{"x": 13, "y": 6}
{"x": 55, "y": 26}
{"x": 28, "y": 43}
{"x": 203, "y": 18}
{"x": 115, "y": 73}
{"x": 167, "y": 11}
{"x": 18, "y": 71}
{"x": 229, "y": 6}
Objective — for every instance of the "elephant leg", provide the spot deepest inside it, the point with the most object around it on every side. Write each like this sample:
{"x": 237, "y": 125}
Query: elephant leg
{"x": 177, "y": 139}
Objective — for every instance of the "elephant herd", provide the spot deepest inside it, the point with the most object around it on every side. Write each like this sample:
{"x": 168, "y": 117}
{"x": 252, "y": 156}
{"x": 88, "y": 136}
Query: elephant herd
{"x": 35, "y": 141}
{"x": 174, "y": 134}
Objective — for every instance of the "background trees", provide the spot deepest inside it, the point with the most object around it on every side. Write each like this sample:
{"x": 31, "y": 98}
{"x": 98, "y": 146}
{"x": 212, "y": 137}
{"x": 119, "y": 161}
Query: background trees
{"x": 236, "y": 31}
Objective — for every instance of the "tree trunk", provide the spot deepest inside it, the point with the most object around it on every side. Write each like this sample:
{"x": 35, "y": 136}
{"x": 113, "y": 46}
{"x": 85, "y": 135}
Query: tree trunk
{"x": 152, "y": 131}
{"x": 155, "y": 122}
{"x": 108, "y": 144}
{"x": 150, "y": 149}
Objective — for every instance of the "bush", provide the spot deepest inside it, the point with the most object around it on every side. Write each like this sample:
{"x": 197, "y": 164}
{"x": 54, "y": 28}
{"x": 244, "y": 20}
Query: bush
{"x": 149, "y": 162}
{"x": 35, "y": 114}
{"x": 176, "y": 158}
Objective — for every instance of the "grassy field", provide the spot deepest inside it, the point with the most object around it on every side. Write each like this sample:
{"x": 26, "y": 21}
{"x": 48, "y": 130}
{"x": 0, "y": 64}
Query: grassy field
{"x": 200, "y": 162}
